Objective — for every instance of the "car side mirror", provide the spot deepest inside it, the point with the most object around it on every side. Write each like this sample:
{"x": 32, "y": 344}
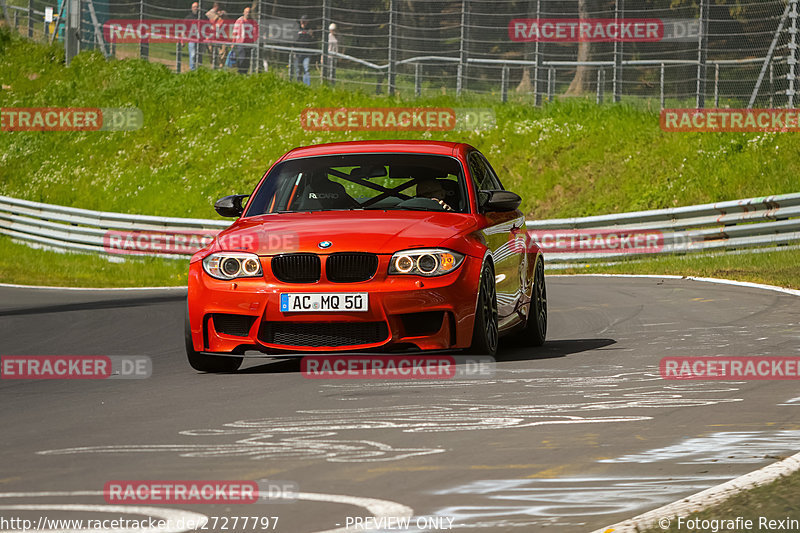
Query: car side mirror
{"x": 499, "y": 200}
{"x": 230, "y": 206}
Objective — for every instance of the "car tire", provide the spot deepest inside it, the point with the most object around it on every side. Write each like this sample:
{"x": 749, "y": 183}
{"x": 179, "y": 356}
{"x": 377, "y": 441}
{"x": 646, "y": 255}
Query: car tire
{"x": 485, "y": 334}
{"x": 208, "y": 363}
{"x": 536, "y": 323}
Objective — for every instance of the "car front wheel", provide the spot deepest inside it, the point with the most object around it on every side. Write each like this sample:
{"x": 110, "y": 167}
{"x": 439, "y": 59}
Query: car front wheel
{"x": 485, "y": 331}
{"x": 536, "y": 322}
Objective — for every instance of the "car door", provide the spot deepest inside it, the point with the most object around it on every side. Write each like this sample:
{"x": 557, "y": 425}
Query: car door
{"x": 505, "y": 237}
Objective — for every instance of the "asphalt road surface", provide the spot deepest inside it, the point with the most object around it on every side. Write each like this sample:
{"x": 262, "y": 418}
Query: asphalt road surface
{"x": 575, "y": 435}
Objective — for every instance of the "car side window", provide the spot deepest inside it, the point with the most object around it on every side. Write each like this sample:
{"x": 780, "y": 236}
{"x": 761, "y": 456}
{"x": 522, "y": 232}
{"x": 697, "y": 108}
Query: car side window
{"x": 483, "y": 177}
{"x": 491, "y": 175}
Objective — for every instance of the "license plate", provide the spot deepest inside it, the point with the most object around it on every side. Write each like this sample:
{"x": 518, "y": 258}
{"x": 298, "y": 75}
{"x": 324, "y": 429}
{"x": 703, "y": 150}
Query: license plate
{"x": 294, "y": 302}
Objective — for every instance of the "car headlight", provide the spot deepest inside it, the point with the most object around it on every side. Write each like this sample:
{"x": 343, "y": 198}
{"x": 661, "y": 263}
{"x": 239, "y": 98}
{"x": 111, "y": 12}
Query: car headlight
{"x": 232, "y": 265}
{"x": 427, "y": 262}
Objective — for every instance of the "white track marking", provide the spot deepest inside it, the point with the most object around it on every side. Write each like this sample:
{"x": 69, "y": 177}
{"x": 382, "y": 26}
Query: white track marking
{"x": 378, "y": 509}
{"x": 690, "y": 278}
{"x": 661, "y": 276}
{"x": 707, "y": 498}
{"x": 172, "y": 516}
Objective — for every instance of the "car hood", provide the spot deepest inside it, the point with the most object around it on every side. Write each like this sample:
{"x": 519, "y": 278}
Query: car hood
{"x": 381, "y": 232}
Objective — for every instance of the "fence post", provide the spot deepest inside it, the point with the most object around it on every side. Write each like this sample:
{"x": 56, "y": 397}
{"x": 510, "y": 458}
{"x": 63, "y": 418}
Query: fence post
{"x": 417, "y": 80}
{"x": 551, "y": 83}
{"x": 30, "y": 19}
{"x": 178, "y": 54}
{"x": 462, "y": 53}
{"x": 71, "y": 28}
{"x": 662, "y": 86}
{"x": 702, "y": 50}
{"x": 600, "y": 76}
{"x": 392, "y": 48}
{"x": 326, "y": 20}
{"x": 771, "y": 84}
{"x": 16, "y": 19}
{"x": 144, "y": 47}
{"x": 504, "y": 84}
{"x": 537, "y": 69}
{"x": 619, "y": 12}
{"x": 791, "y": 76}
{"x": 716, "y": 84}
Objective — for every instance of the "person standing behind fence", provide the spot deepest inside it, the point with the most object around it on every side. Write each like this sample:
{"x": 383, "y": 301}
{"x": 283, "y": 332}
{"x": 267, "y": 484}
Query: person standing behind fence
{"x": 333, "y": 49}
{"x": 193, "y": 43}
{"x": 305, "y": 39}
{"x": 214, "y": 16}
{"x": 240, "y": 33}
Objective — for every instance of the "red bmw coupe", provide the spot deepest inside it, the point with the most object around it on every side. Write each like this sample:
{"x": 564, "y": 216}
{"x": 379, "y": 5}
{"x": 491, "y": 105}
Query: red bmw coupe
{"x": 367, "y": 246}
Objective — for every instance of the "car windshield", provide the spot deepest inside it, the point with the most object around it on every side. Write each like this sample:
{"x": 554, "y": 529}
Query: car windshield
{"x": 413, "y": 182}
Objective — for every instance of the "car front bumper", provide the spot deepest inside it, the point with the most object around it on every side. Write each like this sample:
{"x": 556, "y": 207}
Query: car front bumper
{"x": 405, "y": 312}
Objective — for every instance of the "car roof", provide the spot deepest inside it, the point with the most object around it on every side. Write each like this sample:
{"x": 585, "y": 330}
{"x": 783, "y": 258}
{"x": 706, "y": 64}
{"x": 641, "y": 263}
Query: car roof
{"x": 400, "y": 146}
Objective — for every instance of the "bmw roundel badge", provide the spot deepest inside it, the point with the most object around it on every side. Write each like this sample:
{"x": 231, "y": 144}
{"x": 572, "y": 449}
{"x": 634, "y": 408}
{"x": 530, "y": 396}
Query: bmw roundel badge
{"x": 325, "y": 244}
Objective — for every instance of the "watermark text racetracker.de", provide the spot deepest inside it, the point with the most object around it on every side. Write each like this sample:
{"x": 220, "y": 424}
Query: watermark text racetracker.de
{"x": 70, "y": 119}
{"x": 598, "y": 240}
{"x": 75, "y": 367}
{"x": 730, "y": 120}
{"x": 191, "y": 492}
{"x": 730, "y": 368}
{"x": 396, "y": 119}
{"x": 397, "y": 367}
{"x": 180, "y": 242}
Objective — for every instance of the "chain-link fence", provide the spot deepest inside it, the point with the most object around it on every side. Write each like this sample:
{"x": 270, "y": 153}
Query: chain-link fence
{"x": 704, "y": 53}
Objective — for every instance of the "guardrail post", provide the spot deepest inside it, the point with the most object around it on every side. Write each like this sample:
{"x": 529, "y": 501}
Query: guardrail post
{"x": 504, "y": 84}
{"x": 662, "y": 86}
{"x": 417, "y": 80}
{"x": 30, "y": 19}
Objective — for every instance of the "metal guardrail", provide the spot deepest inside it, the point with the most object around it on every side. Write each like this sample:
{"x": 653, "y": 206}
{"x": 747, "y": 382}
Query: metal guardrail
{"x": 733, "y": 225}
{"x": 82, "y": 230}
{"x": 722, "y": 226}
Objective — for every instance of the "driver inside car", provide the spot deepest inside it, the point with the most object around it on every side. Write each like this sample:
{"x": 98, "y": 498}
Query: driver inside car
{"x": 432, "y": 189}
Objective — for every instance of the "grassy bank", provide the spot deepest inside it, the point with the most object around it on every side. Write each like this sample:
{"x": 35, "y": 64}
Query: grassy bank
{"x": 773, "y": 501}
{"x": 210, "y": 133}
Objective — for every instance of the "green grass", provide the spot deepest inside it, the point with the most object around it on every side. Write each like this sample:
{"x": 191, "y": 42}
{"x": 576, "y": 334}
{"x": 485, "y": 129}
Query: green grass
{"x": 779, "y": 267}
{"x": 211, "y": 133}
{"x": 775, "y": 501}
{"x": 27, "y": 266}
